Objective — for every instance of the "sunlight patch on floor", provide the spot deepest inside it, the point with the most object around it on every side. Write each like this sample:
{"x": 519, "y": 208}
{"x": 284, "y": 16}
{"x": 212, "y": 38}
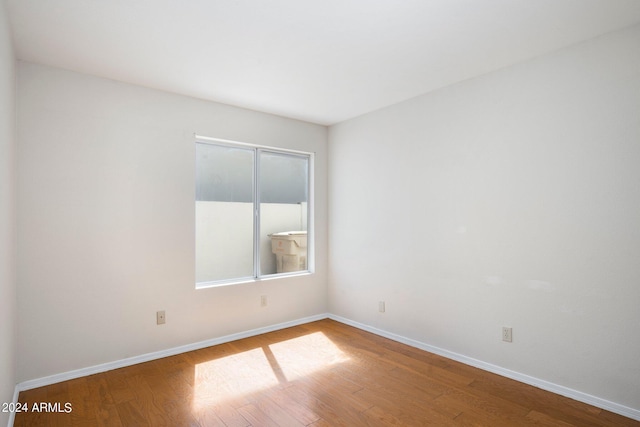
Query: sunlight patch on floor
{"x": 304, "y": 355}
{"x": 237, "y": 375}
{"x": 232, "y": 376}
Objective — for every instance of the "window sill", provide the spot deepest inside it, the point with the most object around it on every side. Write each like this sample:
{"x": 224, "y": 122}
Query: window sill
{"x": 231, "y": 282}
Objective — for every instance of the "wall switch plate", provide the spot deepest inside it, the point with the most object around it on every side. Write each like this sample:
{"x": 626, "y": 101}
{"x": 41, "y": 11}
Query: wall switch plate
{"x": 507, "y": 334}
{"x": 381, "y": 306}
{"x": 160, "y": 318}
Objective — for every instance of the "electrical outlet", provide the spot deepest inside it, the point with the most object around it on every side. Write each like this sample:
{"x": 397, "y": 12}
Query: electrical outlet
{"x": 381, "y": 306}
{"x": 263, "y": 301}
{"x": 507, "y": 334}
{"x": 160, "y": 318}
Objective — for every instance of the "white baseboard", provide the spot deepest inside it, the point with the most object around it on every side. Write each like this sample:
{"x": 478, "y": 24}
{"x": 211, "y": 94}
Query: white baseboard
{"x": 65, "y": 376}
{"x": 536, "y": 382}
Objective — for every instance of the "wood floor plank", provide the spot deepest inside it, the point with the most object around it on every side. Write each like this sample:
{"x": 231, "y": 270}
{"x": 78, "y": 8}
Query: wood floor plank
{"x": 98, "y": 390}
{"x": 118, "y": 387}
{"x": 558, "y": 407}
{"x": 256, "y": 417}
{"x": 107, "y": 416}
{"x": 611, "y": 419}
{"x": 479, "y": 410}
{"x": 82, "y": 410}
{"x": 130, "y": 415}
{"x": 379, "y": 417}
{"x": 426, "y": 384}
{"x": 319, "y": 374}
{"x": 229, "y": 415}
{"x": 325, "y": 406}
{"x": 208, "y": 417}
{"x": 546, "y": 420}
{"x": 145, "y": 401}
{"x": 409, "y": 412}
{"x": 321, "y": 423}
{"x": 275, "y": 412}
{"x": 300, "y": 412}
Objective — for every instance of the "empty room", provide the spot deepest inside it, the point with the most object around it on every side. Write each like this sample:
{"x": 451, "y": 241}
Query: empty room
{"x": 319, "y": 213}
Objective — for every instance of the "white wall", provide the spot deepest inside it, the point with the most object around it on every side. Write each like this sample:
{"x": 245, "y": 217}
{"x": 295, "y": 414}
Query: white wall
{"x": 7, "y": 217}
{"x": 510, "y": 199}
{"x": 107, "y": 217}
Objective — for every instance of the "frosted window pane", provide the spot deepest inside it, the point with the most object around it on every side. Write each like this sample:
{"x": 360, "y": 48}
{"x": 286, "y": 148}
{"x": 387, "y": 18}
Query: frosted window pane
{"x": 224, "y": 213}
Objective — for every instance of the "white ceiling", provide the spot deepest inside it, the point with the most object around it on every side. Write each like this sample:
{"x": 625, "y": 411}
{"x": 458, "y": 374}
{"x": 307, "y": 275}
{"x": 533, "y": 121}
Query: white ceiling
{"x": 323, "y": 61}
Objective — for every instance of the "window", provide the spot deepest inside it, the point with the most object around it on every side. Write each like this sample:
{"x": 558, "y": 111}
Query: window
{"x": 252, "y": 212}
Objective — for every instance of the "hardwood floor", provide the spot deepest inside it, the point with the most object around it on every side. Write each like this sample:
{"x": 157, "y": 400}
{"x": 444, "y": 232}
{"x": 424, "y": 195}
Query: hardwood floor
{"x": 319, "y": 374}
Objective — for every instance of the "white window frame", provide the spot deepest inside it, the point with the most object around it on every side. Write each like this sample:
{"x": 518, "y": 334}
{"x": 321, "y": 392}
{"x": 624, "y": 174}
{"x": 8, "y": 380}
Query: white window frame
{"x": 257, "y": 277}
